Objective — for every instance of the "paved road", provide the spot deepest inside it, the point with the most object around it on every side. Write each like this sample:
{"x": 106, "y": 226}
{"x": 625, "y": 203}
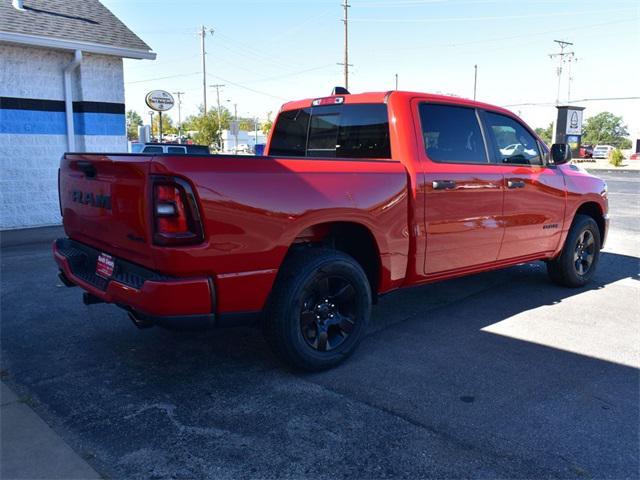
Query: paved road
{"x": 500, "y": 374}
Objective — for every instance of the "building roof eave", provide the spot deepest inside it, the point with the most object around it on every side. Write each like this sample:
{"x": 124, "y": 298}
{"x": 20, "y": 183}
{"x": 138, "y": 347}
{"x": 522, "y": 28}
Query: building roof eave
{"x": 63, "y": 44}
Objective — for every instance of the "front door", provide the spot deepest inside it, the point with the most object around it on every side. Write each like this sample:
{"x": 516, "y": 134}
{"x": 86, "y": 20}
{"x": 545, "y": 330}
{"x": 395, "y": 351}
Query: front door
{"x": 534, "y": 201}
{"x": 464, "y": 191}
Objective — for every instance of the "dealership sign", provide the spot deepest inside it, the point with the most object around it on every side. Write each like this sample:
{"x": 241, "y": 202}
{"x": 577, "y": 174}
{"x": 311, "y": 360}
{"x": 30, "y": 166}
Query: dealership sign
{"x": 159, "y": 100}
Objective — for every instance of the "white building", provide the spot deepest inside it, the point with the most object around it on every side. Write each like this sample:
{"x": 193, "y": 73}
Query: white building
{"x": 61, "y": 89}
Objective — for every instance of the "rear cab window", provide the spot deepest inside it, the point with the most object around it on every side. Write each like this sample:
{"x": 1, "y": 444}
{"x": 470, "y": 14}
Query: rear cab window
{"x": 333, "y": 131}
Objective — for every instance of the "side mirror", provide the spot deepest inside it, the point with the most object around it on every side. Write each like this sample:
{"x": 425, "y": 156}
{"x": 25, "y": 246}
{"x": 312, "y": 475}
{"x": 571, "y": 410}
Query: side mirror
{"x": 560, "y": 153}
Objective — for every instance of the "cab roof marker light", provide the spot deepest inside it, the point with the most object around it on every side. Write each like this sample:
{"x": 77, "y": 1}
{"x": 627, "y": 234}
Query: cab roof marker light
{"x": 327, "y": 101}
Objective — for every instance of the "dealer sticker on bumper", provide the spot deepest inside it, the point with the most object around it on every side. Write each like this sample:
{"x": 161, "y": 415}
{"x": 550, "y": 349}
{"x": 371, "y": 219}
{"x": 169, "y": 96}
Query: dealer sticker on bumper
{"x": 105, "y": 265}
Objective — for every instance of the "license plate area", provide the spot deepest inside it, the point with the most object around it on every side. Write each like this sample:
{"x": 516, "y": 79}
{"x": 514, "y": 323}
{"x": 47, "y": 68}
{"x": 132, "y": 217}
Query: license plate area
{"x": 105, "y": 265}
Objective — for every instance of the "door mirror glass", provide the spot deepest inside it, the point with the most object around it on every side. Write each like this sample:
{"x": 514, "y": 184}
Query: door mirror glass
{"x": 560, "y": 153}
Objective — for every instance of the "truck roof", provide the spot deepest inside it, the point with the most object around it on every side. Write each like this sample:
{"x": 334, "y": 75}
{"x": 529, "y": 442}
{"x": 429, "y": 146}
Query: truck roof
{"x": 382, "y": 97}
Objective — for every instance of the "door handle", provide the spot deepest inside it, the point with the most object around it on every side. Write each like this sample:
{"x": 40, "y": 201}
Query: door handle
{"x": 443, "y": 184}
{"x": 515, "y": 184}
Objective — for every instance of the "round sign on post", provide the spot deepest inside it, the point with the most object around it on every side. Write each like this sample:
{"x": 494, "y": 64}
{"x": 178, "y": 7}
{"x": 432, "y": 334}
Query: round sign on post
{"x": 159, "y": 100}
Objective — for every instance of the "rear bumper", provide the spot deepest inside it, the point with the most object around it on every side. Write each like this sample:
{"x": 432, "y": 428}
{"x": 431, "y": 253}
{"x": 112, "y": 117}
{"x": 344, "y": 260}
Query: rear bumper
{"x": 151, "y": 297}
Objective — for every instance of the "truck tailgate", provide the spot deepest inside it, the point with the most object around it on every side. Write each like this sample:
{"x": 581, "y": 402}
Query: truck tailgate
{"x": 103, "y": 200}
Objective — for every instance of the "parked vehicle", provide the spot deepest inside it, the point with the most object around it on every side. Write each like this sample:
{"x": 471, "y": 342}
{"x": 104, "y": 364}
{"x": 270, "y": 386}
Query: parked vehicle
{"x": 634, "y": 156}
{"x": 174, "y": 148}
{"x": 602, "y": 151}
{"x": 586, "y": 151}
{"x": 358, "y": 195}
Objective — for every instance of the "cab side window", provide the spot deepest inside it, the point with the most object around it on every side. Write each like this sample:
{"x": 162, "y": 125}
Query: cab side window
{"x": 452, "y": 134}
{"x": 512, "y": 143}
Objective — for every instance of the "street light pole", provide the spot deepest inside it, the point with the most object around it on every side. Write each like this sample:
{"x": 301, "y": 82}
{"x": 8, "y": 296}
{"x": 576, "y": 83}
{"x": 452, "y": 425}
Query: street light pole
{"x": 218, "y": 86}
{"x": 235, "y": 116}
{"x": 179, "y": 94}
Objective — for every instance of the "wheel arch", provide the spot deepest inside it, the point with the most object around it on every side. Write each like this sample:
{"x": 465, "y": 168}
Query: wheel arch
{"x": 594, "y": 210}
{"x": 353, "y": 238}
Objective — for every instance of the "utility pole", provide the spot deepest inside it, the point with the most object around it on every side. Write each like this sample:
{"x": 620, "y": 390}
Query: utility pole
{"x": 179, "y": 95}
{"x": 475, "y": 80}
{"x": 561, "y": 56}
{"x": 218, "y": 86}
{"x": 396, "y": 81}
{"x": 203, "y": 33}
{"x": 346, "y": 63}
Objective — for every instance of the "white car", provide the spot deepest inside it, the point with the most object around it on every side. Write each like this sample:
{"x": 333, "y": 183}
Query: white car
{"x": 602, "y": 151}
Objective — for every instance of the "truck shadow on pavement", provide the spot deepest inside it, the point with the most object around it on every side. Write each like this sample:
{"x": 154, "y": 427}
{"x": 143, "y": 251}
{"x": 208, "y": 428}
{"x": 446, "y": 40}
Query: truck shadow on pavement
{"x": 499, "y": 374}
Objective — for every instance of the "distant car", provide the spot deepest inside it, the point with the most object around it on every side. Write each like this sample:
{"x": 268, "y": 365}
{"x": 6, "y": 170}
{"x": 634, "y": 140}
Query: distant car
{"x": 635, "y": 156}
{"x": 586, "y": 151}
{"x": 602, "y": 151}
{"x": 170, "y": 148}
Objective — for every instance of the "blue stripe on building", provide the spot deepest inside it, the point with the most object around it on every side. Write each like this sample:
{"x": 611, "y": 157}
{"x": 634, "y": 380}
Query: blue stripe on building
{"x": 34, "y": 122}
{"x": 47, "y": 117}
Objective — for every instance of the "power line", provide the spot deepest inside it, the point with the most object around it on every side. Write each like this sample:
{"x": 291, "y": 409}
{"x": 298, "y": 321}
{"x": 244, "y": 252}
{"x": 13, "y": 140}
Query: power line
{"x": 162, "y": 78}
{"x": 492, "y": 17}
{"x": 548, "y": 104}
{"x": 235, "y": 84}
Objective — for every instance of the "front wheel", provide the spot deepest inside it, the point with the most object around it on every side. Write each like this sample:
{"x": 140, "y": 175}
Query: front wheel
{"x": 576, "y": 264}
{"x": 319, "y": 309}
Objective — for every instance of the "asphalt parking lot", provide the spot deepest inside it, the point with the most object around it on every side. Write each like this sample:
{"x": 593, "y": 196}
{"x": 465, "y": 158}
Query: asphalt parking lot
{"x": 498, "y": 375}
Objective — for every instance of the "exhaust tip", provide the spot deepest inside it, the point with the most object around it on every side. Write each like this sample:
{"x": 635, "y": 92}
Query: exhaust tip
{"x": 138, "y": 321}
{"x": 65, "y": 280}
{"x": 89, "y": 299}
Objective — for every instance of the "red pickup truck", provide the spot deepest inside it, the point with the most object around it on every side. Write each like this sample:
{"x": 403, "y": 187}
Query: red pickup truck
{"x": 356, "y": 196}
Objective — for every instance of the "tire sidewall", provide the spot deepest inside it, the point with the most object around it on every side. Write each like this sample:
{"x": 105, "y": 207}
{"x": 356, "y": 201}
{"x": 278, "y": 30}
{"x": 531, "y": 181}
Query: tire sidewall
{"x": 302, "y": 283}
{"x": 582, "y": 223}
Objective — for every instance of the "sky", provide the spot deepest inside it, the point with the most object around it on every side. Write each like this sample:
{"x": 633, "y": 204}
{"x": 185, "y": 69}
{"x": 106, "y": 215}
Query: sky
{"x": 272, "y": 51}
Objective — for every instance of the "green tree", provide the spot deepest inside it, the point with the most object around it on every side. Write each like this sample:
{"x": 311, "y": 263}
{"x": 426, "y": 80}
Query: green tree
{"x": 606, "y": 128}
{"x": 546, "y": 133}
{"x": 266, "y": 126}
{"x": 167, "y": 125}
{"x": 246, "y": 124}
{"x": 206, "y": 126}
{"x": 133, "y": 122}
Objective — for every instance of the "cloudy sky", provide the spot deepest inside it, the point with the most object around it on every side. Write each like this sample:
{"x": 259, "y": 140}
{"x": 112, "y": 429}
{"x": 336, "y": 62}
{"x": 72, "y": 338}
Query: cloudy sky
{"x": 268, "y": 52}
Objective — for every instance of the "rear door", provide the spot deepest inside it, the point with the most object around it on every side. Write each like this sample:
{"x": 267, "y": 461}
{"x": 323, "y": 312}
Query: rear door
{"x": 534, "y": 201}
{"x": 464, "y": 193}
{"x": 104, "y": 202}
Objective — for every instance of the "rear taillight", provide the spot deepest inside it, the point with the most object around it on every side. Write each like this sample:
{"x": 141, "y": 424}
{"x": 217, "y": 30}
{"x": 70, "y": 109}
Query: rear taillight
{"x": 176, "y": 217}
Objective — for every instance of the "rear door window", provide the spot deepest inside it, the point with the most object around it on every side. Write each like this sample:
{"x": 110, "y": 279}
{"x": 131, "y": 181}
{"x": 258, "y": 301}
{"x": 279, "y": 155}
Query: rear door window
{"x": 452, "y": 134}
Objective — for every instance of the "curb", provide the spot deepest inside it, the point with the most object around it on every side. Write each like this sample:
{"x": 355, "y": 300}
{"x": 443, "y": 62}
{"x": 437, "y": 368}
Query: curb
{"x": 31, "y": 449}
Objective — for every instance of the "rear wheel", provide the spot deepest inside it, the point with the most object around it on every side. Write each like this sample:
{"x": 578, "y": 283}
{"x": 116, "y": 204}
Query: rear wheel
{"x": 577, "y": 262}
{"x": 319, "y": 309}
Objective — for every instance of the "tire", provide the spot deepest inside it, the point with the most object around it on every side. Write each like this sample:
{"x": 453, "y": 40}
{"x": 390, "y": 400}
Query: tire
{"x": 576, "y": 264}
{"x": 319, "y": 309}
